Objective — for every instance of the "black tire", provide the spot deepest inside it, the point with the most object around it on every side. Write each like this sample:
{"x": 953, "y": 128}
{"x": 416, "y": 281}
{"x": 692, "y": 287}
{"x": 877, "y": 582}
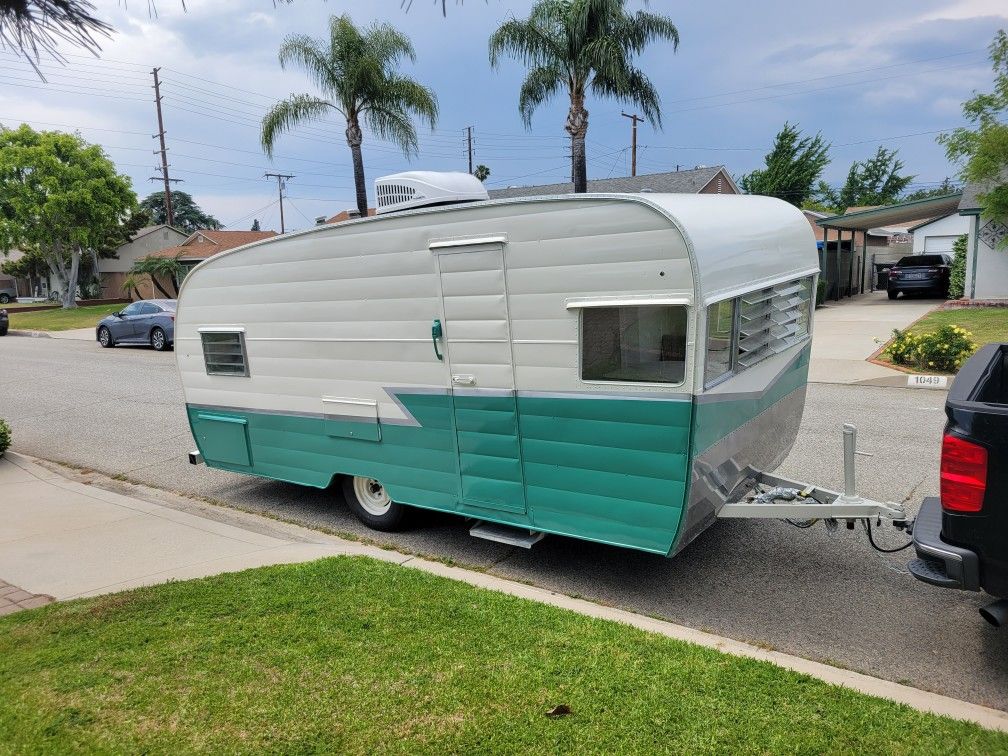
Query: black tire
{"x": 4, "y": 298}
{"x": 388, "y": 518}
{"x": 105, "y": 337}
{"x": 159, "y": 339}
{"x": 893, "y": 294}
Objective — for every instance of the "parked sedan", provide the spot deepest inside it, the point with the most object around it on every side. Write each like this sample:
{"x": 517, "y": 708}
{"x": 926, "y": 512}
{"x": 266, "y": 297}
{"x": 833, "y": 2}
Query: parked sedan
{"x": 920, "y": 273}
{"x": 151, "y": 321}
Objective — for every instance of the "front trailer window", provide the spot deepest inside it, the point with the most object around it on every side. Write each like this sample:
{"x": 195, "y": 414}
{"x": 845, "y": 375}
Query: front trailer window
{"x": 720, "y": 339}
{"x": 638, "y": 344}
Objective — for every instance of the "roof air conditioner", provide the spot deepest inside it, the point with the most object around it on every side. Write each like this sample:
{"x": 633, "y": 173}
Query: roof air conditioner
{"x": 402, "y": 191}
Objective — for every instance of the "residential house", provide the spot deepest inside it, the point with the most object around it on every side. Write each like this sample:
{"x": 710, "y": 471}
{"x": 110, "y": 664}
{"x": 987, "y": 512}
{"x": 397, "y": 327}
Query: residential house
{"x": 700, "y": 180}
{"x": 936, "y": 236}
{"x": 113, "y": 270}
{"x": 346, "y": 215}
{"x": 986, "y": 255}
{"x": 200, "y": 245}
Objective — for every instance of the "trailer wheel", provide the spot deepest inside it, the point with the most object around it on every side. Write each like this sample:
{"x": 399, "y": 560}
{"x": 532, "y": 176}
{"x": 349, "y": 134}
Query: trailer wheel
{"x": 371, "y": 504}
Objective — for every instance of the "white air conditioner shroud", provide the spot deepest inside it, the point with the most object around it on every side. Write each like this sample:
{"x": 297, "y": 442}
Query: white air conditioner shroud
{"x": 402, "y": 191}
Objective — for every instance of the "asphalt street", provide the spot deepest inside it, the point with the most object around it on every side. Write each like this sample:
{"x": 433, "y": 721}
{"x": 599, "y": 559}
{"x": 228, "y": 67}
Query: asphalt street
{"x": 825, "y": 596}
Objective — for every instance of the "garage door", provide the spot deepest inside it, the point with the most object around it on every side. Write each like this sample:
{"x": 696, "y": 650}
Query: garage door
{"x": 936, "y": 244}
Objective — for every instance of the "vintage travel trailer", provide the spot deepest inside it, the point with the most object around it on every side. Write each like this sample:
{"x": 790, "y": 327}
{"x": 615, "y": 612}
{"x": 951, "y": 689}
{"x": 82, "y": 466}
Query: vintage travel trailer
{"x": 608, "y": 367}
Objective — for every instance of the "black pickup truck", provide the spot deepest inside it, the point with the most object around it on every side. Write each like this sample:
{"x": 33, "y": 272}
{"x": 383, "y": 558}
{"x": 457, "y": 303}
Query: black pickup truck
{"x": 961, "y": 537}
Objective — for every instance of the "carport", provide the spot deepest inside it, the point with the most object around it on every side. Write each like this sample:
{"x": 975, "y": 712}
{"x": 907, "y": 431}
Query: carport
{"x": 843, "y": 266}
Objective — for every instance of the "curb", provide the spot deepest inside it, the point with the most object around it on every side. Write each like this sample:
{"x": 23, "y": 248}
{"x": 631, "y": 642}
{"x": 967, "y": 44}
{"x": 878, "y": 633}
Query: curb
{"x": 914, "y": 698}
{"x": 32, "y": 334}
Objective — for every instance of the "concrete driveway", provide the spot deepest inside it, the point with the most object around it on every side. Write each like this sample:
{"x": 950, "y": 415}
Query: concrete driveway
{"x": 848, "y": 332}
{"x": 822, "y": 596}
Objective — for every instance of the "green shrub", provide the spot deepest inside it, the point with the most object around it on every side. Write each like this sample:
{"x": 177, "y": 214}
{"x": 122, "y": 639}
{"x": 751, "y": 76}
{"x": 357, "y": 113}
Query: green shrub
{"x": 943, "y": 350}
{"x": 957, "y": 275}
{"x": 820, "y": 292}
{"x": 5, "y": 436}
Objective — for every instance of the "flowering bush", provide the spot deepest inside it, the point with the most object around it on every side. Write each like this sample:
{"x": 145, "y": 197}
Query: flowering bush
{"x": 943, "y": 350}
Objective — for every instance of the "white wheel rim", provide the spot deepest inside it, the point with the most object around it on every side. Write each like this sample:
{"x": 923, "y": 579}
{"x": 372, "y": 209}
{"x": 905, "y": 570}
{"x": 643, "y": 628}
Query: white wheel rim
{"x": 158, "y": 339}
{"x": 372, "y": 496}
{"x": 104, "y": 336}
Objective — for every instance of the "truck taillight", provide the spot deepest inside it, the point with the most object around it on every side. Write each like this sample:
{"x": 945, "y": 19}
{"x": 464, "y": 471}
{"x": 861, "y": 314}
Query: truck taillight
{"x": 963, "y": 474}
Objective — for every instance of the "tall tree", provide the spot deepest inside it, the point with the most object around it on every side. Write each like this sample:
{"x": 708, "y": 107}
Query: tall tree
{"x": 793, "y": 166}
{"x": 876, "y": 181}
{"x": 255, "y": 225}
{"x": 355, "y": 70}
{"x": 947, "y": 186}
{"x": 983, "y": 149}
{"x": 583, "y": 46}
{"x": 481, "y": 172}
{"x": 62, "y": 197}
{"x": 189, "y": 216}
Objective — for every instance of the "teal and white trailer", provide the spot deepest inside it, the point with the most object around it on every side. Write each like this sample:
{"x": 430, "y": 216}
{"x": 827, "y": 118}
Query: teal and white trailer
{"x": 607, "y": 367}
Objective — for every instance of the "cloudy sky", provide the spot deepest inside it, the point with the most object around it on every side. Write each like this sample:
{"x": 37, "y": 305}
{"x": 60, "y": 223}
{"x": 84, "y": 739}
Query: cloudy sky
{"x": 862, "y": 72}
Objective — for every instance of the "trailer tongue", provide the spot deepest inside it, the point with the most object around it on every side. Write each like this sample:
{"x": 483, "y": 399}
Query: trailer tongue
{"x": 765, "y": 496}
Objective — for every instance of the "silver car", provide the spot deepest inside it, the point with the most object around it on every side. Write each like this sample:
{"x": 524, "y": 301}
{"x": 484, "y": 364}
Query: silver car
{"x": 8, "y": 292}
{"x": 150, "y": 321}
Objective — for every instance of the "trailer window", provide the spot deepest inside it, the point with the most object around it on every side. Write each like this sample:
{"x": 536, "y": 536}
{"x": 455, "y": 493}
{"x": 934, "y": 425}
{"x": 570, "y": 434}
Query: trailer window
{"x": 720, "y": 339}
{"x": 224, "y": 353}
{"x": 644, "y": 344}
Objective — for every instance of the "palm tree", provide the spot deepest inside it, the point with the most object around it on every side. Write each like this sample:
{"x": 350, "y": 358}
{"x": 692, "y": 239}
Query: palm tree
{"x": 156, "y": 268}
{"x": 355, "y": 71}
{"x": 583, "y": 46}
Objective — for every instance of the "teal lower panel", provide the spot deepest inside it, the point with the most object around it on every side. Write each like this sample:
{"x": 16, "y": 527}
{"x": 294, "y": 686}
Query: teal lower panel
{"x": 608, "y": 470}
{"x": 716, "y": 418}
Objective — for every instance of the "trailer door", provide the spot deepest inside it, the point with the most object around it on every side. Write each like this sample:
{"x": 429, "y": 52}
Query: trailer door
{"x": 477, "y": 349}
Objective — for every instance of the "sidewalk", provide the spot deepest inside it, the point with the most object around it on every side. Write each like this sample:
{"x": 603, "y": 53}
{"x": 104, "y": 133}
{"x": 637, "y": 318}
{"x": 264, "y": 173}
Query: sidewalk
{"x": 846, "y": 333}
{"x": 64, "y": 539}
{"x": 73, "y": 334}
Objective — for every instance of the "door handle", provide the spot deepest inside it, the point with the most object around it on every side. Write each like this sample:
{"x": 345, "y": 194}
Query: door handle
{"x": 464, "y": 380}
{"x": 436, "y": 332}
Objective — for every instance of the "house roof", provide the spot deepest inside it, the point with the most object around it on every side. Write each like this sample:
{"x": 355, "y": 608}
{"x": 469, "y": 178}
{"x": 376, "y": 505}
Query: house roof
{"x": 344, "y": 215}
{"x": 970, "y": 202}
{"x": 674, "y": 182}
{"x": 206, "y": 243}
{"x": 151, "y": 229}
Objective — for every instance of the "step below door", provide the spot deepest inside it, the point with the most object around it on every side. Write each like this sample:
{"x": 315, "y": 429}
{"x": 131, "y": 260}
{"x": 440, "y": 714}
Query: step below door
{"x": 477, "y": 342}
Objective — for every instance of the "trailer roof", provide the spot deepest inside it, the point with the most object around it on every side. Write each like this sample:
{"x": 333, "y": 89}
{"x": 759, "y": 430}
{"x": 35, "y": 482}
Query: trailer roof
{"x": 738, "y": 242}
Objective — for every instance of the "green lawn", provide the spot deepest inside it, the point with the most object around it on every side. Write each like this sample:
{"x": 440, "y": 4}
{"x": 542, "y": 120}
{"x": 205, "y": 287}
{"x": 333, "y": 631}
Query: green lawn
{"x": 359, "y": 656}
{"x": 987, "y": 324}
{"x": 60, "y": 319}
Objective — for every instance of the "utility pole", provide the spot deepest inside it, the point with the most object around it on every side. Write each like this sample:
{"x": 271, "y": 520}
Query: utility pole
{"x": 281, "y": 179}
{"x": 169, "y": 212}
{"x": 469, "y": 141}
{"x": 633, "y": 143}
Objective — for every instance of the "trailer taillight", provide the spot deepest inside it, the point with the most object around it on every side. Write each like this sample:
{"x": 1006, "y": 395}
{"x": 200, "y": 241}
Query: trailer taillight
{"x": 963, "y": 474}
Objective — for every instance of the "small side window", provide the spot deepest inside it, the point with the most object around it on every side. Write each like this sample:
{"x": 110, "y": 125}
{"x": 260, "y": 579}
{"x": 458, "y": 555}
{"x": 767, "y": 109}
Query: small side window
{"x": 645, "y": 344}
{"x": 720, "y": 340}
{"x": 224, "y": 353}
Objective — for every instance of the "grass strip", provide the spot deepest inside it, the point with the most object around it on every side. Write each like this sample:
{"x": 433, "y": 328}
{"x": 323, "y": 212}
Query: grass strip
{"x": 360, "y": 656}
{"x": 60, "y": 319}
